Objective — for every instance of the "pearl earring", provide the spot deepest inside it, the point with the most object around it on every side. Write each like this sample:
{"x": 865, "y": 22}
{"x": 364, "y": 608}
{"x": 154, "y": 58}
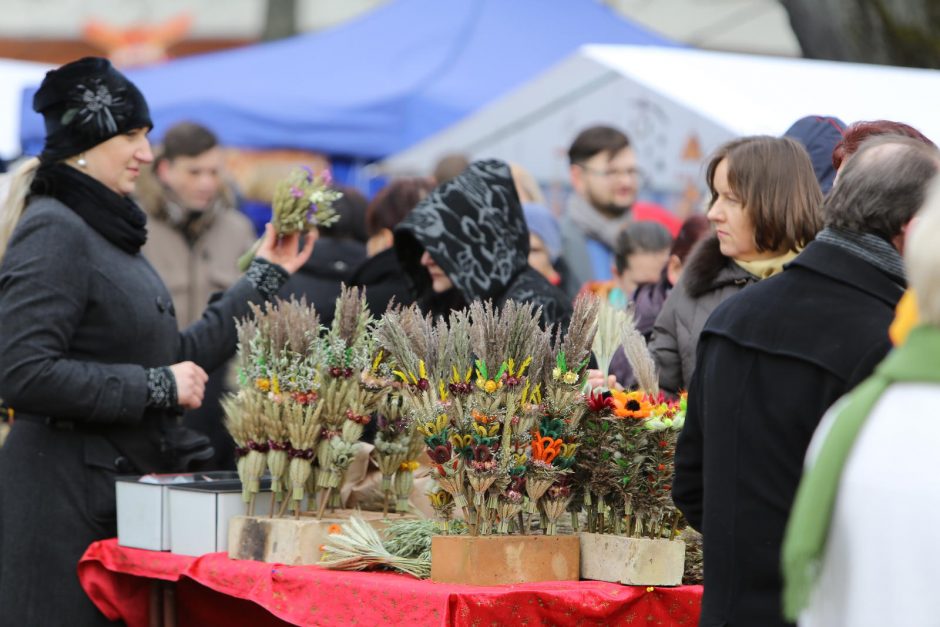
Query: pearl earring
{"x": 81, "y": 162}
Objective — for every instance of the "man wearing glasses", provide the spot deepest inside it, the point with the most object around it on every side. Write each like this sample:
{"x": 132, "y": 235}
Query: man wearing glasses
{"x": 605, "y": 181}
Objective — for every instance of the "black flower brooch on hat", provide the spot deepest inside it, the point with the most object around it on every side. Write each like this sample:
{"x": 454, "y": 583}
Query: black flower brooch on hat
{"x": 93, "y": 102}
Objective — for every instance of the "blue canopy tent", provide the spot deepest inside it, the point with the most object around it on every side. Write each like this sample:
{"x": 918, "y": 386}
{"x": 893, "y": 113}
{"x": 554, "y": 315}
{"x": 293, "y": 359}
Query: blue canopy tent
{"x": 373, "y": 86}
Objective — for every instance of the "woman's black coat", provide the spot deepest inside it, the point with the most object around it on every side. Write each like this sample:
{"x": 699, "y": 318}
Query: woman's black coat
{"x": 80, "y": 321}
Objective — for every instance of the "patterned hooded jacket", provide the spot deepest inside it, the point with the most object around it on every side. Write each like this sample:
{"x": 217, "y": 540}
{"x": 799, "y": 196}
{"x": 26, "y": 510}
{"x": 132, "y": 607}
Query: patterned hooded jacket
{"x": 474, "y": 229}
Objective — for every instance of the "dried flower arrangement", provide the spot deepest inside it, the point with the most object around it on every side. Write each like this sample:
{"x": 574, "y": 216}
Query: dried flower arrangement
{"x": 630, "y": 438}
{"x": 610, "y": 322}
{"x": 357, "y": 546}
{"x": 498, "y": 406}
{"x": 349, "y": 391}
{"x": 403, "y": 545}
{"x": 398, "y": 443}
{"x": 275, "y": 416}
{"x": 305, "y": 398}
{"x": 302, "y": 202}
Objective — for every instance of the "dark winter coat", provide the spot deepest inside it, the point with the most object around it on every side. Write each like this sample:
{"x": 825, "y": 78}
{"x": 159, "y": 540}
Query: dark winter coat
{"x": 474, "y": 229}
{"x": 80, "y": 320}
{"x": 647, "y": 302}
{"x": 771, "y": 361}
{"x": 708, "y": 279}
{"x": 331, "y": 264}
{"x": 384, "y": 280}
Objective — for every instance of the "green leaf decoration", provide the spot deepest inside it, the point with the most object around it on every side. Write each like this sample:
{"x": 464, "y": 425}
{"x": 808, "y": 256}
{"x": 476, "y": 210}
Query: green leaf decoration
{"x": 563, "y": 462}
{"x": 433, "y": 441}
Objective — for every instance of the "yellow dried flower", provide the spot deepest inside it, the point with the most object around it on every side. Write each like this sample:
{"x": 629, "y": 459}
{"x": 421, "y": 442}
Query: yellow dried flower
{"x": 377, "y": 360}
{"x": 440, "y": 498}
{"x": 571, "y": 377}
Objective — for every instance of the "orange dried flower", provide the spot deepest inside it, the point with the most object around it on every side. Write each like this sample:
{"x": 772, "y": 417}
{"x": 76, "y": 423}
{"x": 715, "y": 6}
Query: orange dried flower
{"x": 482, "y": 418}
{"x": 544, "y": 448}
{"x": 631, "y": 404}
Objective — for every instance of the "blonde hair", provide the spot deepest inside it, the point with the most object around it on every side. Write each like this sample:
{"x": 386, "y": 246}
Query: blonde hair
{"x": 922, "y": 257}
{"x": 526, "y": 185}
{"x": 15, "y": 202}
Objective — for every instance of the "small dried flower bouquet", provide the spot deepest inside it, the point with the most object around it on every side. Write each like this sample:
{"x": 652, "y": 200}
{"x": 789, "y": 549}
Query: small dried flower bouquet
{"x": 302, "y": 202}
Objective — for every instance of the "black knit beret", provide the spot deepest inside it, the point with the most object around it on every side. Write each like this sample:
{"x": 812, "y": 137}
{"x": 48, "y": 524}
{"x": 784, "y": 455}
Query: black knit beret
{"x": 84, "y": 103}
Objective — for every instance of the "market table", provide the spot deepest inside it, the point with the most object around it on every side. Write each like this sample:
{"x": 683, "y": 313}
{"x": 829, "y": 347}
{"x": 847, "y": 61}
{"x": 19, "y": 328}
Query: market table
{"x": 133, "y": 585}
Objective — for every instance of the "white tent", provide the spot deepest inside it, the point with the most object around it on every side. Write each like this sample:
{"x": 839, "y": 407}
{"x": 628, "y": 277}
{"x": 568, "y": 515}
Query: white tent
{"x": 14, "y": 76}
{"x": 677, "y": 105}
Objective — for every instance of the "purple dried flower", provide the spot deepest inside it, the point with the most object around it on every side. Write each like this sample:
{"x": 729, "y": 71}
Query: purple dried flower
{"x": 309, "y": 173}
{"x": 481, "y": 453}
{"x": 296, "y": 192}
{"x": 327, "y": 177}
{"x": 312, "y": 211}
{"x": 441, "y": 453}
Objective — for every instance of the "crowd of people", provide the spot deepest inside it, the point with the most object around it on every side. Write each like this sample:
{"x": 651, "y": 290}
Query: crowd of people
{"x": 119, "y": 291}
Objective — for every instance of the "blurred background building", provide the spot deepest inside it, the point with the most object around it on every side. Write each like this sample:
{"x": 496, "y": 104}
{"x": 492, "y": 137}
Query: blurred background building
{"x": 140, "y": 31}
{"x": 384, "y": 87}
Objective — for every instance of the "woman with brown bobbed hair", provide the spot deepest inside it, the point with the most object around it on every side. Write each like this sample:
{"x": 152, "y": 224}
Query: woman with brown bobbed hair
{"x": 765, "y": 207}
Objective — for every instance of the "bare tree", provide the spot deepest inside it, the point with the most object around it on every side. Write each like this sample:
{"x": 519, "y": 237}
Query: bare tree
{"x": 893, "y": 32}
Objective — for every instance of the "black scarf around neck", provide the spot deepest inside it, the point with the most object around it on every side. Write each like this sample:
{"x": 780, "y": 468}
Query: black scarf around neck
{"x": 116, "y": 217}
{"x": 870, "y": 247}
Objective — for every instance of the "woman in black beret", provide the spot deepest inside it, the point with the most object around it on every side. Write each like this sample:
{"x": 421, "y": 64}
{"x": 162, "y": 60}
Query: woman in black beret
{"x": 90, "y": 357}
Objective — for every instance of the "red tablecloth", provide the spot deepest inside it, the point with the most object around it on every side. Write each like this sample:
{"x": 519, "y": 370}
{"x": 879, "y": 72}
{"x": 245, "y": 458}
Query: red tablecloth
{"x": 214, "y": 590}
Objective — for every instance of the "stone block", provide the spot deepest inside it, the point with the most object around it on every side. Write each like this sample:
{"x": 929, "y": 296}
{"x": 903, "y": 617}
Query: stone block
{"x": 632, "y": 561}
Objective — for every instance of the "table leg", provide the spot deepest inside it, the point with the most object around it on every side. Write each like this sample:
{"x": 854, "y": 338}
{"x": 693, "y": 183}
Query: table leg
{"x": 156, "y": 603}
{"x": 169, "y": 604}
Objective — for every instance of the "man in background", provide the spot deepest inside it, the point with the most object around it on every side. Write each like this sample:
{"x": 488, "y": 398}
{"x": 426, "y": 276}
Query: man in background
{"x": 605, "y": 180}
{"x": 195, "y": 232}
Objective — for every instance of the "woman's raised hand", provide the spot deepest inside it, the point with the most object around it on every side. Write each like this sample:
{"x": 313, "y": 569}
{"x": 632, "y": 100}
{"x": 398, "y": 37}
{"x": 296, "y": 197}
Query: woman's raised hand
{"x": 285, "y": 250}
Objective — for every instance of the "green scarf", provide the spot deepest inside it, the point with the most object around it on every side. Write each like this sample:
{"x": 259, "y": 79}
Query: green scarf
{"x": 805, "y": 541}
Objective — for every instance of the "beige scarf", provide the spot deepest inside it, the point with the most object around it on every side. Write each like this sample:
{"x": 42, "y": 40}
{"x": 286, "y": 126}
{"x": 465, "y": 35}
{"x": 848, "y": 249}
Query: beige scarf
{"x": 765, "y": 268}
